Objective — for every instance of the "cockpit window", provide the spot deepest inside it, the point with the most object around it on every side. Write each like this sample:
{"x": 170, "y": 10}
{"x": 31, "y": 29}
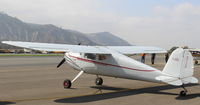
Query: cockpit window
{"x": 95, "y": 56}
{"x": 90, "y": 56}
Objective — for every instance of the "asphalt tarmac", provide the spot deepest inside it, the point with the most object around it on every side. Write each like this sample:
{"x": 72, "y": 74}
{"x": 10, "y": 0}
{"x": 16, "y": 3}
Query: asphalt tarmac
{"x": 37, "y": 81}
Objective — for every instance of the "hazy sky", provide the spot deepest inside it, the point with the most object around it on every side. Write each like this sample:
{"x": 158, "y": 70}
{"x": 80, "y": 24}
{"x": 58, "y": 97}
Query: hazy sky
{"x": 163, "y": 23}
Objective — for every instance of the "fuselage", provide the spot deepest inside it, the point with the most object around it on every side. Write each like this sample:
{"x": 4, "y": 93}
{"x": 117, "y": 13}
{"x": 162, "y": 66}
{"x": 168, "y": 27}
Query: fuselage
{"x": 113, "y": 65}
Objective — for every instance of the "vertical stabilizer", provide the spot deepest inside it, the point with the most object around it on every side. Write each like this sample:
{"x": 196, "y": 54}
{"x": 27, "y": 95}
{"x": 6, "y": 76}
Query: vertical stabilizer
{"x": 180, "y": 64}
{"x": 179, "y": 68}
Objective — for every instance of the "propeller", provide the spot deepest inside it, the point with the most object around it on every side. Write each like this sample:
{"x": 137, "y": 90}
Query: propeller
{"x": 63, "y": 61}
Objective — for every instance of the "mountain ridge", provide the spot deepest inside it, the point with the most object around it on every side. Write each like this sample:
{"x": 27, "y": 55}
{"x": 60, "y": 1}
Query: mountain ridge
{"x": 12, "y": 28}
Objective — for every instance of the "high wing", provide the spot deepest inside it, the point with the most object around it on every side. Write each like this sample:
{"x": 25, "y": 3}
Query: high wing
{"x": 86, "y": 49}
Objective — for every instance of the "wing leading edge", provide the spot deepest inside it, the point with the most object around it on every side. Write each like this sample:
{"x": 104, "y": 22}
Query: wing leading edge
{"x": 85, "y": 49}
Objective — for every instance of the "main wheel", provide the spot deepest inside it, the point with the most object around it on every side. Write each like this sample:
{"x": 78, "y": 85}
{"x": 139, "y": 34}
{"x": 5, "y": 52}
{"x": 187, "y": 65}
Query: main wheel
{"x": 67, "y": 84}
{"x": 99, "y": 81}
{"x": 183, "y": 93}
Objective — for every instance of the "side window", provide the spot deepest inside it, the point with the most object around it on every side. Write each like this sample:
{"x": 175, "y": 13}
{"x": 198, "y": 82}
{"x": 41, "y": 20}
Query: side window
{"x": 102, "y": 57}
{"x": 90, "y": 56}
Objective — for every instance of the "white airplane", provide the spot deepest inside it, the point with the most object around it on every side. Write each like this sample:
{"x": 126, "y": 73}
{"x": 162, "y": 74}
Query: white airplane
{"x": 112, "y": 61}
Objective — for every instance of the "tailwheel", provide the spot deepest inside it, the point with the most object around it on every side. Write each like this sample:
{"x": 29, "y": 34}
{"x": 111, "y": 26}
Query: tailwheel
{"x": 67, "y": 84}
{"x": 183, "y": 93}
{"x": 99, "y": 81}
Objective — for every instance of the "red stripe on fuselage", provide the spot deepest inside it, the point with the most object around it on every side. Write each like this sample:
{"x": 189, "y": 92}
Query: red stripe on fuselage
{"x": 107, "y": 64}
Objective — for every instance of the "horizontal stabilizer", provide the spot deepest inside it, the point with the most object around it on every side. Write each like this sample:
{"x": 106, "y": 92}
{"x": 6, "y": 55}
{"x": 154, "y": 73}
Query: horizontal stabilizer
{"x": 189, "y": 80}
{"x": 177, "y": 81}
{"x": 170, "y": 80}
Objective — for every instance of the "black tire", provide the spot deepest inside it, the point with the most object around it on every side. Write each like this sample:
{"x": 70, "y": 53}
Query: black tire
{"x": 99, "y": 81}
{"x": 67, "y": 84}
{"x": 183, "y": 93}
{"x": 196, "y": 62}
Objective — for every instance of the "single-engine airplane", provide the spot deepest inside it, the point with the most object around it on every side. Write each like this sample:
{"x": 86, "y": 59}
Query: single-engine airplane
{"x": 112, "y": 61}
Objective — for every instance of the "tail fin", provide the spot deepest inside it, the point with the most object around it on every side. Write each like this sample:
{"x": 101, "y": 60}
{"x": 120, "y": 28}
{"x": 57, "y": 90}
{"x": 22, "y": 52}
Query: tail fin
{"x": 179, "y": 68}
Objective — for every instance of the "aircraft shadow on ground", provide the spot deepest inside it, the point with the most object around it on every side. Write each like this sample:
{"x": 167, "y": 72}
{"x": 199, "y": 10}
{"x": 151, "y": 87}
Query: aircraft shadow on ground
{"x": 120, "y": 92}
{"x": 6, "y": 103}
{"x": 189, "y": 96}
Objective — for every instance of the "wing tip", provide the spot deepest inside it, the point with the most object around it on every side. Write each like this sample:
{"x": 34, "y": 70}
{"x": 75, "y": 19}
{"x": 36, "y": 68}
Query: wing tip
{"x": 8, "y": 42}
{"x": 4, "y": 42}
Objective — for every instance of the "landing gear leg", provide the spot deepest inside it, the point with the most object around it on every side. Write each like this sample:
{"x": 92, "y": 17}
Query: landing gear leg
{"x": 183, "y": 92}
{"x": 67, "y": 83}
{"x": 99, "y": 81}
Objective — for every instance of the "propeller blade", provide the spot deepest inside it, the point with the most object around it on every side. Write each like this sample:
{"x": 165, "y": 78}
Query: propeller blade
{"x": 61, "y": 63}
